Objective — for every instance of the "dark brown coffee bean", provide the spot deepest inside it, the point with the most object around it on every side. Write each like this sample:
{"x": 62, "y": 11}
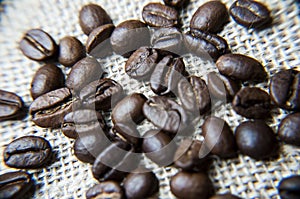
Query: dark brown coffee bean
{"x": 141, "y": 63}
{"x": 256, "y": 139}
{"x": 27, "y": 152}
{"x": 71, "y": 50}
{"x": 251, "y": 14}
{"x": 11, "y": 105}
{"x": 176, "y": 3}
{"x": 225, "y": 196}
{"x": 159, "y": 15}
{"x": 108, "y": 189}
{"x": 101, "y": 94}
{"x": 129, "y": 36}
{"x": 15, "y": 185}
{"x": 191, "y": 185}
{"x": 289, "y": 129}
{"x": 47, "y": 78}
{"x": 38, "y": 45}
{"x": 241, "y": 67}
{"x": 285, "y": 89}
{"x": 252, "y": 102}
{"x": 289, "y": 187}
{"x": 92, "y": 16}
{"x": 126, "y": 133}
{"x": 210, "y": 17}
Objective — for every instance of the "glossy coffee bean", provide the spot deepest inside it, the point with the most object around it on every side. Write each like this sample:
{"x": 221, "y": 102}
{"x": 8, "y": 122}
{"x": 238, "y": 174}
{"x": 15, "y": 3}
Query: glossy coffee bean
{"x": 241, "y": 67}
{"x": 225, "y": 196}
{"x": 15, "y": 185}
{"x": 70, "y": 51}
{"x": 11, "y": 105}
{"x": 289, "y": 187}
{"x": 249, "y": 13}
{"x": 92, "y": 16}
{"x": 210, "y": 17}
{"x": 256, "y": 139}
{"x": 27, "y": 152}
{"x": 126, "y": 133}
{"x": 191, "y": 185}
{"x": 38, "y": 45}
{"x": 47, "y": 78}
{"x": 252, "y": 102}
{"x": 289, "y": 129}
{"x": 159, "y": 15}
{"x": 176, "y": 3}
{"x": 108, "y": 189}
{"x": 285, "y": 89}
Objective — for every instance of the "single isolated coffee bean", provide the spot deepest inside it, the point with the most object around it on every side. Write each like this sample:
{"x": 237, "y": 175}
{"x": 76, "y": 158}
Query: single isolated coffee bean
{"x": 108, "y": 189}
{"x": 210, "y": 17}
{"x": 289, "y": 129}
{"x": 47, "y": 78}
{"x": 252, "y": 102}
{"x": 11, "y": 105}
{"x": 38, "y": 45}
{"x": 251, "y": 14}
{"x": 191, "y": 185}
{"x": 289, "y": 187}
{"x": 28, "y": 152}
{"x": 256, "y": 139}
{"x": 176, "y": 3}
{"x": 15, "y": 185}
{"x": 92, "y": 16}
{"x": 225, "y": 196}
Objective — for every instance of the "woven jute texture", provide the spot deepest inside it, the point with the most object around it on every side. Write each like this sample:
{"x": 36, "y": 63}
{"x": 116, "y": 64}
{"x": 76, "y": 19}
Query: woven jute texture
{"x": 276, "y": 47}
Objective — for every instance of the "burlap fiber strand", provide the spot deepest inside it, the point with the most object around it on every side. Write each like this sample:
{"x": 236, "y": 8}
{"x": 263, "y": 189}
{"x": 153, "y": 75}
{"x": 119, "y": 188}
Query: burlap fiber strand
{"x": 276, "y": 47}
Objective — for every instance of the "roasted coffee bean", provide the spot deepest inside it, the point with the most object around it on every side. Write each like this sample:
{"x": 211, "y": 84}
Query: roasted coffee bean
{"x": 129, "y": 36}
{"x": 191, "y": 185}
{"x": 92, "y": 16}
{"x": 225, "y": 196}
{"x": 203, "y": 44}
{"x": 101, "y": 94}
{"x": 15, "y": 185}
{"x": 159, "y": 147}
{"x": 285, "y": 89}
{"x": 38, "y": 45}
{"x": 176, "y": 3}
{"x": 47, "y": 78}
{"x": 219, "y": 138}
{"x": 108, "y": 189}
{"x": 251, "y": 14}
{"x": 289, "y": 129}
{"x": 27, "y": 152}
{"x": 289, "y": 188}
{"x": 241, "y": 67}
{"x": 126, "y": 133}
{"x": 71, "y": 50}
{"x": 140, "y": 185}
{"x": 252, "y": 102}
{"x": 11, "y": 105}
{"x": 49, "y": 109}
{"x": 141, "y": 63}
{"x": 159, "y": 15}
{"x": 83, "y": 72}
{"x": 98, "y": 43}
{"x": 166, "y": 75}
{"x": 256, "y": 139}
{"x": 82, "y": 121}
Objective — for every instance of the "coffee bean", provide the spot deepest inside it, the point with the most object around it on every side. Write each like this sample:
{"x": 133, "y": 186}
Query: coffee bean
{"x": 191, "y": 185}
{"x": 101, "y": 94}
{"x": 126, "y": 133}
{"x": 140, "y": 185}
{"x": 225, "y": 196}
{"x": 11, "y": 105}
{"x": 38, "y": 45}
{"x": 108, "y": 189}
{"x": 285, "y": 89}
{"x": 47, "y": 78}
{"x": 256, "y": 139}
{"x": 15, "y": 185}
{"x": 241, "y": 67}
{"x": 289, "y": 187}
{"x": 129, "y": 36}
{"x": 252, "y": 102}
{"x": 27, "y": 152}
{"x": 159, "y": 15}
{"x": 210, "y": 17}
{"x": 141, "y": 63}
{"x": 71, "y": 50}
{"x": 176, "y": 3}
{"x": 289, "y": 129}
{"x": 251, "y": 14}
{"x": 92, "y": 16}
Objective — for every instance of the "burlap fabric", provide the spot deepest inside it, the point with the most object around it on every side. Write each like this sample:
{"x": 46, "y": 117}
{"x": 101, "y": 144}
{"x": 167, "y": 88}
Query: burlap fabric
{"x": 276, "y": 47}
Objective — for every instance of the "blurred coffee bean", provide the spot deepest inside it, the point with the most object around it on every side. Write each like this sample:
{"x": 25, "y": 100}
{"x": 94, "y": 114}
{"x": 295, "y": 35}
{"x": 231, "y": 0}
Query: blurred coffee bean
{"x": 225, "y": 196}
{"x": 11, "y": 105}
{"x": 289, "y": 187}
{"x": 177, "y": 3}
{"x": 289, "y": 129}
{"x": 108, "y": 189}
{"x": 127, "y": 133}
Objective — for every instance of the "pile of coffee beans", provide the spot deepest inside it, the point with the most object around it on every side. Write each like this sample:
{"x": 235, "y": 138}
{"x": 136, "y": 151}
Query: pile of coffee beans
{"x": 77, "y": 103}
